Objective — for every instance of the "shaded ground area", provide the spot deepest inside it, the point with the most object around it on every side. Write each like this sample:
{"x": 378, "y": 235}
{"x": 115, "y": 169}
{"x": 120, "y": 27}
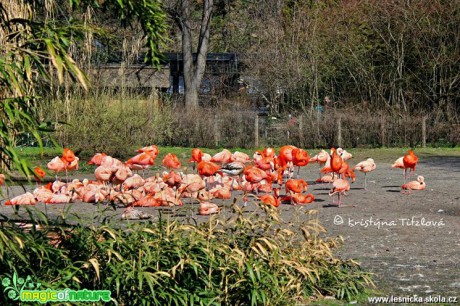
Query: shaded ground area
{"x": 411, "y": 242}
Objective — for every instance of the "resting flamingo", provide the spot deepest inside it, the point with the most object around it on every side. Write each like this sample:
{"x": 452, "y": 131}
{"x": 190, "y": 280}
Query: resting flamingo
{"x": 97, "y": 159}
{"x": 298, "y": 198}
{"x": 419, "y": 184}
{"x": 152, "y": 150}
{"x": 57, "y": 165}
{"x": 255, "y": 175}
{"x": 133, "y": 214}
{"x": 296, "y": 186}
{"x": 207, "y": 208}
{"x": 273, "y": 200}
{"x": 23, "y": 199}
{"x": 223, "y": 157}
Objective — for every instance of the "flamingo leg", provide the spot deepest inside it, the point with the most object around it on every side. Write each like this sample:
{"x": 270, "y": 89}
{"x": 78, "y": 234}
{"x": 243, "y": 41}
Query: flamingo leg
{"x": 341, "y": 205}
{"x": 333, "y": 201}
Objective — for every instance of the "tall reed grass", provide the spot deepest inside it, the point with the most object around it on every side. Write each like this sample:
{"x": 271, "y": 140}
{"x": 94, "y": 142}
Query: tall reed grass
{"x": 246, "y": 259}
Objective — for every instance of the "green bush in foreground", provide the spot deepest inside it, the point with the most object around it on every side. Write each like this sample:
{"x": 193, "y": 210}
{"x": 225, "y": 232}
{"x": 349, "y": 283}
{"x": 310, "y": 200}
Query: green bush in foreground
{"x": 246, "y": 259}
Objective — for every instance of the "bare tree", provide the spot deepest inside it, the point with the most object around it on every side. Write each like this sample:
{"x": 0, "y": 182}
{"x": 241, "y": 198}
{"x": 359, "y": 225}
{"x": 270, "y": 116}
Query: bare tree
{"x": 194, "y": 67}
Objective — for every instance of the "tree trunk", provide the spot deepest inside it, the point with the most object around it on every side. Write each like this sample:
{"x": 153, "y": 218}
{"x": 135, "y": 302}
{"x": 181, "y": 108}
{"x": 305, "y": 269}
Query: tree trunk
{"x": 194, "y": 68}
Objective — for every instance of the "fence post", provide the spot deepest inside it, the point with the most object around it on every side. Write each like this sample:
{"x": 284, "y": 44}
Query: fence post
{"x": 301, "y": 142}
{"x": 339, "y": 131}
{"x": 382, "y": 131}
{"x": 216, "y": 131}
{"x": 256, "y": 131}
{"x": 424, "y": 132}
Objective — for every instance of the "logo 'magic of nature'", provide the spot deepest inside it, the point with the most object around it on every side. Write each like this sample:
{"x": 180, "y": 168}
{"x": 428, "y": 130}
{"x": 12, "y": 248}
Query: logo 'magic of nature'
{"x": 25, "y": 290}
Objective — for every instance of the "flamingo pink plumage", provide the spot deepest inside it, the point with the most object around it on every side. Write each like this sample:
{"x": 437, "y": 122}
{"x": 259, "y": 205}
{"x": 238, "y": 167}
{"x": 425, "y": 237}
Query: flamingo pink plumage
{"x": 410, "y": 161}
{"x": 97, "y": 159}
{"x": 365, "y": 166}
{"x": 171, "y": 161}
{"x": 339, "y": 187}
{"x": 207, "y": 208}
{"x": 23, "y": 199}
{"x": 419, "y": 184}
{"x": 223, "y": 157}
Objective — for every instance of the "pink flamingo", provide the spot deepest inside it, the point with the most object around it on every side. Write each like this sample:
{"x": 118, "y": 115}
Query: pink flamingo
{"x": 419, "y": 184}
{"x": 97, "y": 159}
{"x": 410, "y": 160}
{"x": 365, "y": 166}
{"x": 23, "y": 199}
{"x": 339, "y": 187}
{"x": 223, "y": 157}
{"x": 207, "y": 208}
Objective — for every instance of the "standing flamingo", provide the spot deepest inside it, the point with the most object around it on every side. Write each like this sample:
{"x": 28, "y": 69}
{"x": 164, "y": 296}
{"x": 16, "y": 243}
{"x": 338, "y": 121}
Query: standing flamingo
{"x": 233, "y": 169}
{"x": 365, "y": 166}
{"x": 171, "y": 161}
{"x": 255, "y": 175}
{"x": 197, "y": 156}
{"x": 339, "y": 187}
{"x": 344, "y": 154}
{"x": 241, "y": 157}
{"x": 336, "y": 162}
{"x": 141, "y": 161}
{"x": 286, "y": 157}
{"x": 410, "y": 160}
{"x": 300, "y": 159}
{"x": 207, "y": 169}
{"x": 152, "y": 150}
{"x": 322, "y": 158}
{"x": 57, "y": 165}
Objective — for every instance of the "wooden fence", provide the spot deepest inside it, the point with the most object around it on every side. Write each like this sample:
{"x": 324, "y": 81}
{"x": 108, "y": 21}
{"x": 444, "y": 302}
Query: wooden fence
{"x": 334, "y": 129}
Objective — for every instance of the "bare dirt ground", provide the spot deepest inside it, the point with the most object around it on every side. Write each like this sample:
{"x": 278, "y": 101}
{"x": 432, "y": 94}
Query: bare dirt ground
{"x": 410, "y": 242}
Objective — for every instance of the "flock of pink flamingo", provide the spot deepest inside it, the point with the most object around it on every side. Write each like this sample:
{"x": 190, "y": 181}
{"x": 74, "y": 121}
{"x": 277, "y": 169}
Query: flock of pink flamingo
{"x": 213, "y": 177}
